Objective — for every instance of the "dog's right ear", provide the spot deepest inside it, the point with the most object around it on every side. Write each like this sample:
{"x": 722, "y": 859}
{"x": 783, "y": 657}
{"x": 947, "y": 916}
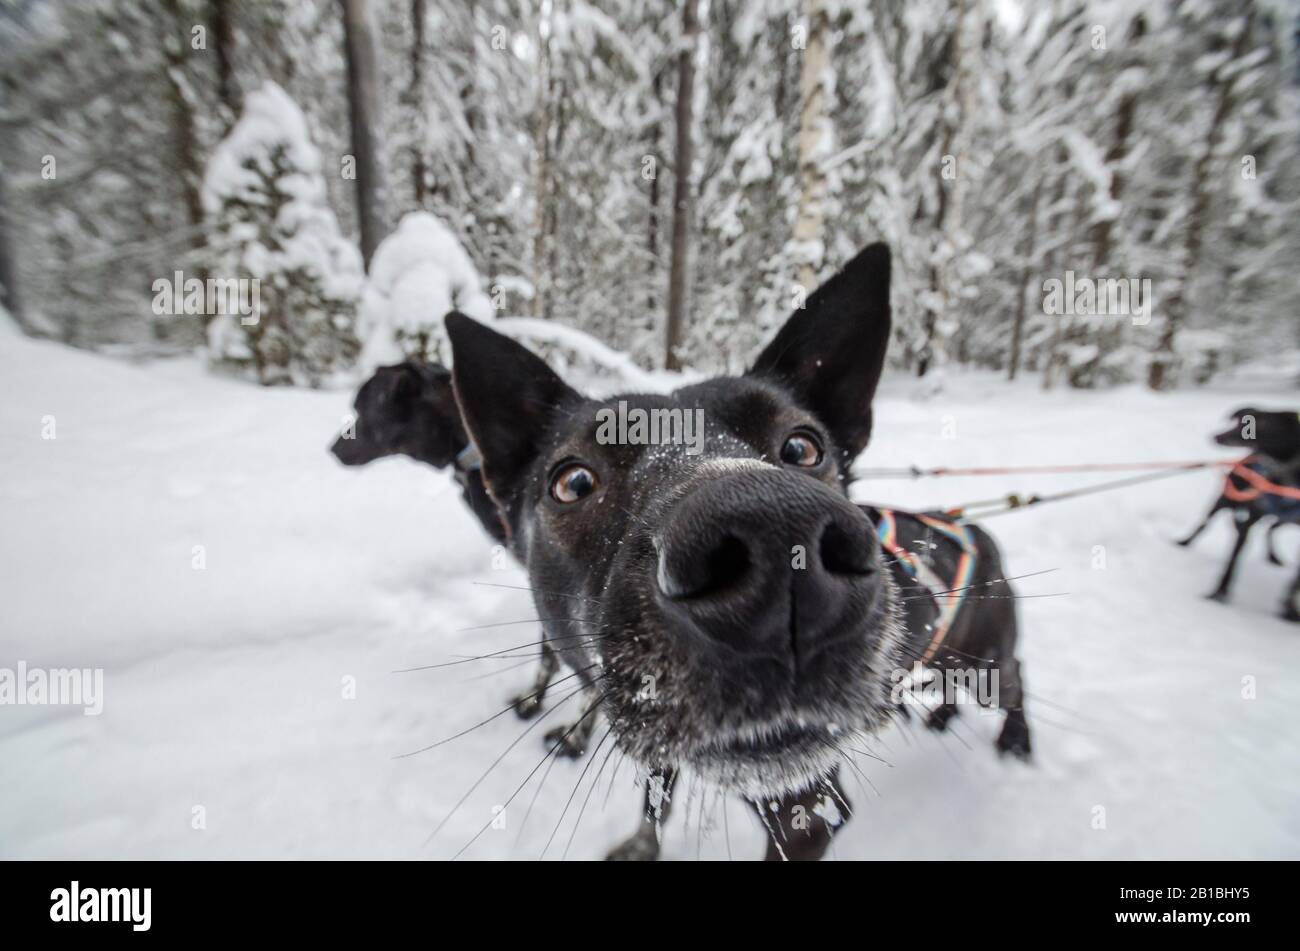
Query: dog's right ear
{"x": 831, "y": 353}
{"x": 508, "y": 400}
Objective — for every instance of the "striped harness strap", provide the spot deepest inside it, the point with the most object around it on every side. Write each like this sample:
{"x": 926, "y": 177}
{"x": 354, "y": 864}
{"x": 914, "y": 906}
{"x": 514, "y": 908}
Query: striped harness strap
{"x": 947, "y": 597}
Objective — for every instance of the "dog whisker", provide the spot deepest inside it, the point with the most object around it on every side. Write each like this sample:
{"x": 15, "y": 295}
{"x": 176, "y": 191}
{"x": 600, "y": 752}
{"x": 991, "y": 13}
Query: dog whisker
{"x": 590, "y": 789}
{"x": 532, "y": 726}
{"x": 549, "y": 753}
{"x": 501, "y": 712}
{"x": 504, "y": 652}
{"x": 857, "y": 769}
{"x": 527, "y": 620}
{"x": 495, "y": 673}
{"x": 556, "y": 594}
{"x": 1031, "y": 574}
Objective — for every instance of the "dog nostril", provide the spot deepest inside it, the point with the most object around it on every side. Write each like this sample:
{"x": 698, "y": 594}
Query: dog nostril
{"x": 843, "y": 553}
{"x": 718, "y": 569}
{"x": 727, "y": 564}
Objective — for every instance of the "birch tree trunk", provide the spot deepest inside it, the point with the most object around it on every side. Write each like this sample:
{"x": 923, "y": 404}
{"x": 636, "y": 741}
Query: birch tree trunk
{"x": 683, "y": 155}
{"x": 814, "y": 143}
{"x": 363, "y": 111}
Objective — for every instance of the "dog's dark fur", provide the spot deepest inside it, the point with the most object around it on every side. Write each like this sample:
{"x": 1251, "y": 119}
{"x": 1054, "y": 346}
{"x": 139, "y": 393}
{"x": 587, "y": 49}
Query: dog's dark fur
{"x": 1274, "y": 439}
{"x": 671, "y": 588}
{"x": 410, "y": 409}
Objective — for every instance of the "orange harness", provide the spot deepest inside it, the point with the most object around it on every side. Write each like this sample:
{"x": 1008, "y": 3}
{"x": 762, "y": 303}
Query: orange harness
{"x": 1257, "y": 484}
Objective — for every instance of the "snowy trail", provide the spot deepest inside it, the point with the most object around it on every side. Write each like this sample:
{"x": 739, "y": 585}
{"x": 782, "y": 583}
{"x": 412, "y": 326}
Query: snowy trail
{"x": 224, "y": 687}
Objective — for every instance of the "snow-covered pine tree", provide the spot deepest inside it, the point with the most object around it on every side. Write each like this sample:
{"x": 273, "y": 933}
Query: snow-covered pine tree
{"x": 418, "y": 275}
{"x": 265, "y": 195}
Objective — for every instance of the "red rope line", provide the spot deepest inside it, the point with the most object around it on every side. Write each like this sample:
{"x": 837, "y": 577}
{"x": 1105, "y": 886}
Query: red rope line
{"x": 1082, "y": 467}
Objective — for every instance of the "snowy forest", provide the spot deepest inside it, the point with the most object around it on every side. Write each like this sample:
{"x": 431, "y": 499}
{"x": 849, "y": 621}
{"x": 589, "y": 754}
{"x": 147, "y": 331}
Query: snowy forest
{"x": 669, "y": 176}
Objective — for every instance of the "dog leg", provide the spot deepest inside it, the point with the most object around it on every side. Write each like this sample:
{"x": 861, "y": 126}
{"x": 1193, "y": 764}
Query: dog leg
{"x": 528, "y": 705}
{"x": 940, "y": 715}
{"x": 1219, "y": 503}
{"x": 643, "y": 844}
{"x": 800, "y": 827}
{"x": 1268, "y": 539}
{"x": 573, "y": 739}
{"x": 1244, "y": 524}
{"x": 1014, "y": 738}
{"x": 1291, "y": 604}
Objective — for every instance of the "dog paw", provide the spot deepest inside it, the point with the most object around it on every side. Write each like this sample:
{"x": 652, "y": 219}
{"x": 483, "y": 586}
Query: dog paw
{"x": 1220, "y": 596}
{"x": 526, "y": 705}
{"x": 1014, "y": 741}
{"x": 642, "y": 847}
{"x": 1291, "y": 614}
{"x": 940, "y": 716}
{"x": 567, "y": 742}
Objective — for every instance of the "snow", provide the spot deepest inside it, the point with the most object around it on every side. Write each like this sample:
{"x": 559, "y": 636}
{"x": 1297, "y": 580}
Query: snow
{"x": 224, "y": 688}
{"x": 418, "y": 275}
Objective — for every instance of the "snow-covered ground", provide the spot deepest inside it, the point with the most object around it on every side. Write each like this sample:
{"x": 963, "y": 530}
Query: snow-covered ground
{"x": 226, "y": 692}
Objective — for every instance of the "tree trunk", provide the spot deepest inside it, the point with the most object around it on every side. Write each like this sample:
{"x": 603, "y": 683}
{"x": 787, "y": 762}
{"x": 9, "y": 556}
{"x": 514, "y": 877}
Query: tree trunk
{"x": 814, "y": 140}
{"x": 222, "y": 24}
{"x": 553, "y": 204}
{"x": 185, "y": 145}
{"x": 415, "y": 99}
{"x": 542, "y": 160}
{"x": 1026, "y": 279}
{"x": 364, "y": 112}
{"x": 8, "y": 266}
{"x": 1103, "y": 233}
{"x": 679, "y": 269}
{"x": 1160, "y": 374}
{"x": 948, "y": 213}
{"x": 652, "y": 226}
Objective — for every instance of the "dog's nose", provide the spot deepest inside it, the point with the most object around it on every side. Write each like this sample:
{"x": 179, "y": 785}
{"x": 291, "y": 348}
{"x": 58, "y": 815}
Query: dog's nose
{"x": 768, "y": 561}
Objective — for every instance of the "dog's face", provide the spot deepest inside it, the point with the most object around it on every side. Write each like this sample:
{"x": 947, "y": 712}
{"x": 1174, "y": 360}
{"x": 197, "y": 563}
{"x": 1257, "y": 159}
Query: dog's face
{"x": 1273, "y": 433}
{"x": 725, "y": 598}
{"x": 407, "y": 409}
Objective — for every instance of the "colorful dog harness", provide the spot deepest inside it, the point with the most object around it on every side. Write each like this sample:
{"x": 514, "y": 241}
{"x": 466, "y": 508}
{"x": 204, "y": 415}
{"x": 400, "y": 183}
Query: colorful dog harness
{"x": 1282, "y": 501}
{"x": 947, "y": 596}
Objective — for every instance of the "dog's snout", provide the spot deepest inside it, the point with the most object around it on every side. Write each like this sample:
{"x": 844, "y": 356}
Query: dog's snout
{"x": 767, "y": 561}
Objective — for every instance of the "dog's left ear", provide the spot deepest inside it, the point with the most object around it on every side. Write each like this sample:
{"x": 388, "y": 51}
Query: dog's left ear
{"x": 508, "y": 399}
{"x": 831, "y": 353}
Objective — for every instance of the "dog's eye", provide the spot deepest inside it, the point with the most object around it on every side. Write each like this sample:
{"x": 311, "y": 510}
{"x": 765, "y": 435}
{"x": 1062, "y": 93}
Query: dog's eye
{"x": 801, "y": 449}
{"x": 572, "y": 483}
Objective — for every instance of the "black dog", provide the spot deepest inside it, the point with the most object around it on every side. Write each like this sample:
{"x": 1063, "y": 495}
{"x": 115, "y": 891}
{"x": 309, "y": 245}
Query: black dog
{"x": 730, "y": 611}
{"x": 1274, "y": 438}
{"x": 409, "y": 409}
